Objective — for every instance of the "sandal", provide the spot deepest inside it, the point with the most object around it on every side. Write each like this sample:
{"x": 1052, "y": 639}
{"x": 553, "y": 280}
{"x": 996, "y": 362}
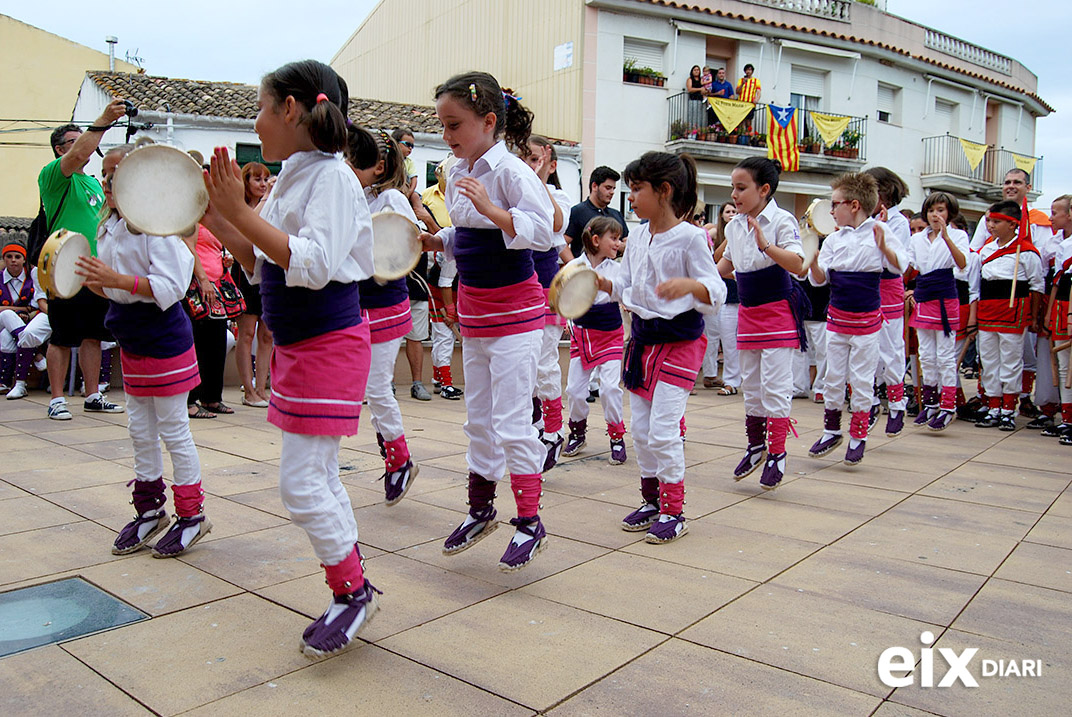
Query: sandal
{"x": 727, "y": 391}
{"x": 218, "y": 407}
{"x": 200, "y": 412}
{"x": 712, "y": 382}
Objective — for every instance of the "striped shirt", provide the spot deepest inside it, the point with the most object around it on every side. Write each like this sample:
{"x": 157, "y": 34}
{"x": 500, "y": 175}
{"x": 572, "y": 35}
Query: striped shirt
{"x": 748, "y": 89}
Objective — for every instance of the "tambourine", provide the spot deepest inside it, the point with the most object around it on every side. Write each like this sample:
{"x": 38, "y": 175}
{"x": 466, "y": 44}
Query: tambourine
{"x": 396, "y": 245}
{"x": 819, "y": 218}
{"x": 57, "y": 263}
{"x": 809, "y": 241}
{"x": 160, "y": 190}
{"x": 573, "y": 291}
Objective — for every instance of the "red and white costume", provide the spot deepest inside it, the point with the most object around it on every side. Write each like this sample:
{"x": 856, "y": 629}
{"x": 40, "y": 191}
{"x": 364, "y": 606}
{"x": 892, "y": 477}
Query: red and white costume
{"x": 1058, "y": 322}
{"x": 891, "y": 346}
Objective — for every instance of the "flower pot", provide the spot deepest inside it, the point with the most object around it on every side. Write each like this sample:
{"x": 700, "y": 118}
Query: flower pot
{"x": 744, "y": 140}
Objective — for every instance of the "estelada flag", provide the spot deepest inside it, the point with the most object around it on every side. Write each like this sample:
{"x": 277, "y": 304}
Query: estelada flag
{"x": 782, "y": 137}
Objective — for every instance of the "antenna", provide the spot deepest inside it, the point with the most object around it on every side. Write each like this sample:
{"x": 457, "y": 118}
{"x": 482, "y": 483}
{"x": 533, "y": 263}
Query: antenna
{"x": 111, "y": 40}
{"x": 134, "y": 59}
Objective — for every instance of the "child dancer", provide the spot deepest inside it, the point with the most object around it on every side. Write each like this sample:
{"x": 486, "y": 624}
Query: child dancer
{"x": 669, "y": 281}
{"x": 727, "y": 320}
{"x": 967, "y": 281}
{"x": 308, "y": 248}
{"x": 145, "y": 278}
{"x": 501, "y": 213}
{"x": 891, "y": 341}
{"x": 385, "y": 307}
{"x": 763, "y": 247}
{"x": 542, "y": 158}
{"x": 20, "y": 295}
{"x": 935, "y": 254}
{"x": 1001, "y": 328}
{"x": 596, "y": 343}
{"x": 442, "y": 284}
{"x": 1061, "y": 219}
{"x": 852, "y": 260}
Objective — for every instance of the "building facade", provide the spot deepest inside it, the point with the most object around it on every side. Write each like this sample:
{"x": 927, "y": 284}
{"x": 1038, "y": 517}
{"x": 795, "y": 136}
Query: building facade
{"x": 911, "y": 93}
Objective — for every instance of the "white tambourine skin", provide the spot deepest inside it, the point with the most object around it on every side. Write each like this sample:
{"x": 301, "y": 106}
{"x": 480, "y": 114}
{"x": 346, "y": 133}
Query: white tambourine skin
{"x": 573, "y": 291}
{"x": 160, "y": 190}
{"x": 809, "y": 241}
{"x": 396, "y": 245}
{"x": 56, "y": 269}
{"x": 820, "y": 218}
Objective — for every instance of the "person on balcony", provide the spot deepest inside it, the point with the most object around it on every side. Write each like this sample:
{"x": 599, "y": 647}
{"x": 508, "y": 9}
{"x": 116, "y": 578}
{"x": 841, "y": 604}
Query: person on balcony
{"x": 697, "y": 89}
{"x": 748, "y": 87}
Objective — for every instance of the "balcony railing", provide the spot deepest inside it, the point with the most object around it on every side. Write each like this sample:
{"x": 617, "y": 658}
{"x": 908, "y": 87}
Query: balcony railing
{"x": 944, "y": 155}
{"x": 956, "y": 47}
{"x": 829, "y": 9}
{"x": 690, "y": 119}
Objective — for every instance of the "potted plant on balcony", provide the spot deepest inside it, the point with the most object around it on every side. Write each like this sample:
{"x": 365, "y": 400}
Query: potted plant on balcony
{"x": 679, "y": 129}
{"x": 759, "y": 139}
{"x": 629, "y": 70}
{"x": 850, "y": 139}
{"x": 810, "y": 144}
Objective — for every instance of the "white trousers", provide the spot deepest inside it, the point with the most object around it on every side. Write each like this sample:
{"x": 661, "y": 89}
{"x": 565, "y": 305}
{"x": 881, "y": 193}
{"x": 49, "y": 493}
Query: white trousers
{"x": 549, "y": 371}
{"x": 712, "y": 330}
{"x": 9, "y": 322}
{"x": 816, "y": 331}
{"x": 37, "y": 332}
{"x": 312, "y": 493}
{"x": 1062, "y": 375}
{"x": 151, "y": 418}
{"x": 442, "y": 344}
{"x": 850, "y": 359}
{"x": 890, "y": 368}
{"x": 500, "y": 377}
{"x": 722, "y": 329}
{"x": 1045, "y": 391}
{"x": 1002, "y": 359}
{"x": 937, "y": 357}
{"x": 767, "y": 382}
{"x": 1030, "y": 357}
{"x": 657, "y": 433}
{"x": 610, "y": 391}
{"x": 386, "y": 418}
{"x": 801, "y": 375}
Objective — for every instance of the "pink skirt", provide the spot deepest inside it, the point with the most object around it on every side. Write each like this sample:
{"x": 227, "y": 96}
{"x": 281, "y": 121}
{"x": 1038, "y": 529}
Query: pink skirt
{"x": 676, "y": 363}
{"x": 147, "y": 376}
{"x": 594, "y": 347}
{"x": 928, "y": 314}
{"x": 318, "y": 384}
{"x": 891, "y": 298}
{"x": 502, "y": 311}
{"x": 854, "y": 323}
{"x": 767, "y": 326}
{"x": 390, "y": 322}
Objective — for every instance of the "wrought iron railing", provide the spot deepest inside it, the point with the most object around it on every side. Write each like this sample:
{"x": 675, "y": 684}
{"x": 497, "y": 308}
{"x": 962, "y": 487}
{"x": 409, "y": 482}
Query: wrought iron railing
{"x": 694, "y": 119}
{"x": 829, "y": 9}
{"x": 944, "y": 154}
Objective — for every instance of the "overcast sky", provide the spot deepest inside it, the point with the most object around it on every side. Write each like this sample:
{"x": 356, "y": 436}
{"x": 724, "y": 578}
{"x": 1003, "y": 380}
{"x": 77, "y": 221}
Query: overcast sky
{"x": 220, "y": 40}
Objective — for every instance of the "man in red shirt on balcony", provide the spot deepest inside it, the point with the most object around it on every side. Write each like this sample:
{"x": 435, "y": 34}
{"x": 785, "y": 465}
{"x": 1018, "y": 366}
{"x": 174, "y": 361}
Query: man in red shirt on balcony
{"x": 748, "y": 87}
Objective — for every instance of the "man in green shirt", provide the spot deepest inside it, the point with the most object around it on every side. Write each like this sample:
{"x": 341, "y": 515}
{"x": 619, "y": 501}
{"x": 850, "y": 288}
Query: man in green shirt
{"x": 74, "y": 201}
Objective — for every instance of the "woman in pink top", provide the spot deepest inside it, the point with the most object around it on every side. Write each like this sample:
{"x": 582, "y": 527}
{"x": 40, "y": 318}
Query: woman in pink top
{"x": 210, "y": 333}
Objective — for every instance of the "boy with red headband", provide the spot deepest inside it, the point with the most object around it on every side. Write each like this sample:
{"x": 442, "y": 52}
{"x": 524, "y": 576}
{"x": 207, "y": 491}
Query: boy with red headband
{"x": 1010, "y": 294}
{"x": 19, "y": 301}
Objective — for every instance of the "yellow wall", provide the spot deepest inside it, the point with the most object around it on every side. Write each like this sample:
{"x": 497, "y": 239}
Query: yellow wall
{"x": 407, "y": 47}
{"x": 40, "y": 74}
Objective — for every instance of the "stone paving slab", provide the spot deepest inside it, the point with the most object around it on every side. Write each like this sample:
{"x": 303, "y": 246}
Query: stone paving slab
{"x": 774, "y": 603}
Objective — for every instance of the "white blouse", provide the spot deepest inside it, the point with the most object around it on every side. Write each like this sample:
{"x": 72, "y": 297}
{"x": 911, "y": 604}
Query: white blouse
{"x": 166, "y": 262}
{"x": 608, "y": 269}
{"x": 927, "y": 254}
{"x": 854, "y": 249}
{"x": 779, "y": 227}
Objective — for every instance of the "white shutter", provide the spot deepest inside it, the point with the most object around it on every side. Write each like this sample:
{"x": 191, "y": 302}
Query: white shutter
{"x": 806, "y": 81}
{"x": 943, "y": 115}
{"x": 645, "y": 53}
{"x": 886, "y": 98}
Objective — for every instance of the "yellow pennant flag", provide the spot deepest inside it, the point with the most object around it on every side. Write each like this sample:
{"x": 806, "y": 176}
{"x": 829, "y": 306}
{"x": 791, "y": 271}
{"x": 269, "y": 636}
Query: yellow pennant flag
{"x": 830, "y": 126}
{"x": 730, "y": 112}
{"x": 974, "y": 152}
{"x": 1025, "y": 163}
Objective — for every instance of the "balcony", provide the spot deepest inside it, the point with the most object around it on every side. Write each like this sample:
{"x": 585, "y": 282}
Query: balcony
{"x": 946, "y": 168}
{"x": 827, "y": 9}
{"x": 695, "y": 129}
{"x": 975, "y": 54}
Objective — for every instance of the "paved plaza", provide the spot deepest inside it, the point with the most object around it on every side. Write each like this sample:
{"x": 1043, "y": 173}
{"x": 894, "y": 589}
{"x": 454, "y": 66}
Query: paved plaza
{"x": 774, "y": 603}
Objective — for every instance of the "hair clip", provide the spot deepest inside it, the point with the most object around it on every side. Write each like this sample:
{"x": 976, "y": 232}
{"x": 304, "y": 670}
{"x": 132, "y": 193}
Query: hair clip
{"x": 472, "y": 91}
{"x": 322, "y": 98}
{"x": 507, "y": 97}
{"x": 386, "y": 141}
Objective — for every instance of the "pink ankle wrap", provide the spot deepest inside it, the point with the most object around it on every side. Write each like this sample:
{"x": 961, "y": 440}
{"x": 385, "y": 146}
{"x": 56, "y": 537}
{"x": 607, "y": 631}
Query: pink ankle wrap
{"x": 895, "y": 392}
{"x": 397, "y": 453}
{"x": 552, "y": 415}
{"x": 858, "y": 424}
{"x": 188, "y": 499}
{"x": 949, "y": 398}
{"x": 526, "y": 489}
{"x": 346, "y": 577}
{"x": 616, "y": 430}
{"x": 671, "y": 497}
{"x": 682, "y": 425}
{"x": 777, "y": 429}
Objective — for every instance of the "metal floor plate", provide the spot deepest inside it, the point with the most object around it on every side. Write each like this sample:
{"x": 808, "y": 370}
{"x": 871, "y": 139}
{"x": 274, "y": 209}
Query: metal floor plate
{"x": 57, "y": 611}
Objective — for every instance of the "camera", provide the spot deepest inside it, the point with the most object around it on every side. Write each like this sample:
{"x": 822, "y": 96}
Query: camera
{"x": 132, "y": 111}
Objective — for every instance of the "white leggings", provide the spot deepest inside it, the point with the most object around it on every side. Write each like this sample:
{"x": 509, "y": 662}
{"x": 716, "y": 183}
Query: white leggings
{"x": 937, "y": 357}
{"x": 386, "y": 418}
{"x": 1002, "y": 359}
{"x": 891, "y": 357}
{"x": 1062, "y": 375}
{"x": 549, "y": 372}
{"x": 150, "y": 418}
{"x": 442, "y": 344}
{"x": 610, "y": 390}
{"x": 850, "y": 359}
{"x": 312, "y": 493}
{"x": 657, "y": 432}
{"x": 9, "y": 323}
{"x": 767, "y": 382}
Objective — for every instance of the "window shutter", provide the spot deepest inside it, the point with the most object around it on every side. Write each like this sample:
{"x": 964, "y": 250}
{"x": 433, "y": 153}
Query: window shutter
{"x": 806, "y": 81}
{"x": 645, "y": 53}
{"x": 886, "y": 97}
{"x": 943, "y": 115}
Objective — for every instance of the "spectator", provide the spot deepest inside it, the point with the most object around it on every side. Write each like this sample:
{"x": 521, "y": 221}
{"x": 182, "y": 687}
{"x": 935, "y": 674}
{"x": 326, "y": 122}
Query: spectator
{"x": 748, "y": 87}
{"x": 696, "y": 88}
{"x": 602, "y": 185}
{"x": 721, "y": 88}
{"x": 210, "y": 332}
{"x": 256, "y": 178}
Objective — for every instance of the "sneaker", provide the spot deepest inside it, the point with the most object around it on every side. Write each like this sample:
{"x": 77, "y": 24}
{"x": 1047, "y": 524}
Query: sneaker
{"x": 1028, "y": 408}
{"x": 451, "y": 393}
{"x": 574, "y": 443}
{"x": 472, "y": 530}
{"x": 592, "y": 396}
{"x": 182, "y": 535}
{"x": 1006, "y": 423}
{"x": 855, "y": 454}
{"x": 334, "y": 631}
{"x": 753, "y": 458}
{"x": 1066, "y": 439}
{"x": 824, "y": 445}
{"x": 58, "y": 411}
{"x": 973, "y": 410}
{"x": 436, "y": 386}
{"x": 773, "y": 471}
{"x": 396, "y": 483}
{"x": 617, "y": 451}
{"x": 529, "y": 540}
{"x": 1037, "y": 424}
{"x": 138, "y": 532}
{"x": 895, "y": 423}
{"x": 990, "y": 420}
{"x": 554, "y": 449}
{"x": 872, "y": 416}
{"x": 419, "y": 392}
{"x": 667, "y": 529}
{"x": 801, "y": 393}
{"x": 1056, "y": 431}
{"x": 100, "y": 404}
{"x": 941, "y": 421}
{"x": 17, "y": 391}
{"x": 640, "y": 518}
{"x": 819, "y": 398}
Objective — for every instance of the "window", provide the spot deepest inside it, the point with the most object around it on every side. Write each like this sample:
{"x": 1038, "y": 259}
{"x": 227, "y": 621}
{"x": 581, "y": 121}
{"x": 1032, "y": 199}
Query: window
{"x": 945, "y": 116}
{"x": 246, "y": 153}
{"x": 644, "y": 53}
{"x": 887, "y": 103}
{"x": 806, "y": 93}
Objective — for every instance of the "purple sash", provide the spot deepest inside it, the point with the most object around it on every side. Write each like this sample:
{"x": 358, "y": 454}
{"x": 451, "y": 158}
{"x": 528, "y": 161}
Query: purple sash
{"x": 377, "y": 296}
{"x": 295, "y": 313}
{"x": 484, "y": 262}
{"x": 144, "y": 329}
{"x": 855, "y": 291}
{"x": 546, "y": 263}
{"x": 602, "y": 317}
